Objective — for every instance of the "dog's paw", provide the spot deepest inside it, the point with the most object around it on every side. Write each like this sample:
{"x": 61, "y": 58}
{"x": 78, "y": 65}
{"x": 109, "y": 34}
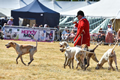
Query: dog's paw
{"x": 16, "y": 62}
{"x": 28, "y": 64}
{"x": 72, "y": 67}
{"x": 64, "y": 66}
{"x": 109, "y": 68}
{"x": 113, "y": 69}
{"x": 76, "y": 67}
{"x": 117, "y": 69}
{"x": 84, "y": 69}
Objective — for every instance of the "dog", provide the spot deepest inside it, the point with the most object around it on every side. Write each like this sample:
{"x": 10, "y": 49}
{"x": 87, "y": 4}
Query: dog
{"x": 109, "y": 56}
{"x": 70, "y": 53}
{"x": 23, "y": 49}
{"x": 90, "y": 55}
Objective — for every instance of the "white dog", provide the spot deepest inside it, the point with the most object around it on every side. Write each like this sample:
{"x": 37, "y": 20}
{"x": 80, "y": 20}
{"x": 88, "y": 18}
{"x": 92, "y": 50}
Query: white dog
{"x": 109, "y": 56}
{"x": 70, "y": 52}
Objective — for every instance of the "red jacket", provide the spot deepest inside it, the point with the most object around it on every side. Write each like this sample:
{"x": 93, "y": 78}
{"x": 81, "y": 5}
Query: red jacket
{"x": 82, "y": 28}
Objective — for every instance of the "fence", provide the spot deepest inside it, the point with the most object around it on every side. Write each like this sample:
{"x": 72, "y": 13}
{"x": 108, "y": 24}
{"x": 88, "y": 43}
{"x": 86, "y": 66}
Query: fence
{"x": 24, "y": 33}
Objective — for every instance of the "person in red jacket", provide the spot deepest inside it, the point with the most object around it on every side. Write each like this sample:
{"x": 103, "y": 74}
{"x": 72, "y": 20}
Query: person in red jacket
{"x": 82, "y": 36}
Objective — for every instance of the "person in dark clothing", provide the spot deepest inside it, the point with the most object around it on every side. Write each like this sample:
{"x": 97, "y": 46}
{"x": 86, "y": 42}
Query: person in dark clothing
{"x": 101, "y": 36}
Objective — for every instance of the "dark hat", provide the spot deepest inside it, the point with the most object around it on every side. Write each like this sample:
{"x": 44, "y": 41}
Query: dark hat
{"x": 80, "y": 13}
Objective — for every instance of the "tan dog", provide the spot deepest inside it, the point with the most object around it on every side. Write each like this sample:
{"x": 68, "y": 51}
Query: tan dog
{"x": 109, "y": 56}
{"x": 23, "y": 49}
{"x": 90, "y": 55}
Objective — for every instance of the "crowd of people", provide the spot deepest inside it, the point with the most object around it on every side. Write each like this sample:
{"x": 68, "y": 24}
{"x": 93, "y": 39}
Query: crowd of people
{"x": 68, "y": 35}
{"x": 108, "y": 36}
{"x": 9, "y": 22}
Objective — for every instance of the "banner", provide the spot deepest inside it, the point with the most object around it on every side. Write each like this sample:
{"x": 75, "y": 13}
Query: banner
{"x": 24, "y": 33}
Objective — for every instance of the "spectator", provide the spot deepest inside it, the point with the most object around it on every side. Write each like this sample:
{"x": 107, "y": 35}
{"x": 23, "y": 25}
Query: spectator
{"x": 118, "y": 35}
{"x": 71, "y": 36}
{"x": 68, "y": 32}
{"x": 3, "y": 30}
{"x": 65, "y": 33}
{"x": 28, "y": 25}
{"x": 40, "y": 25}
{"x": 101, "y": 36}
{"x": 20, "y": 21}
{"x": 10, "y": 21}
{"x": 5, "y": 20}
{"x": 109, "y": 35}
{"x": 93, "y": 37}
{"x": 5, "y": 24}
{"x": 75, "y": 29}
{"x": 34, "y": 25}
{"x": 42, "y": 38}
{"x": 57, "y": 32}
{"x": 45, "y": 25}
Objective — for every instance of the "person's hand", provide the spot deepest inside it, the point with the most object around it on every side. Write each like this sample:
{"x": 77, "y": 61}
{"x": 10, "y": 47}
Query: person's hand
{"x": 75, "y": 22}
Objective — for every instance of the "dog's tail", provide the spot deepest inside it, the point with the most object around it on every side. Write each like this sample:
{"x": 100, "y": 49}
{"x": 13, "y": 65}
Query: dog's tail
{"x": 114, "y": 46}
{"x": 96, "y": 46}
{"x": 35, "y": 40}
{"x": 86, "y": 51}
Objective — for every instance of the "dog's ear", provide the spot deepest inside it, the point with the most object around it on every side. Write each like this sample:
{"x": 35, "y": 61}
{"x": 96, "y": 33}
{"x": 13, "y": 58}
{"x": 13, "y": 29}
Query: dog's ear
{"x": 86, "y": 46}
{"x": 65, "y": 43}
{"x": 13, "y": 43}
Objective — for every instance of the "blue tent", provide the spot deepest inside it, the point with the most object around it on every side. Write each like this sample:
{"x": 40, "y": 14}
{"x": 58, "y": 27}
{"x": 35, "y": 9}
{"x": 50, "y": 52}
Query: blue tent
{"x": 37, "y": 11}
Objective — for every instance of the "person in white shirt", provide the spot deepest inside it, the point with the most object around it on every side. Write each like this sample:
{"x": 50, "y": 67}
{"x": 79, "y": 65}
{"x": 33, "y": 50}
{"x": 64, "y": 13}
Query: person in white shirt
{"x": 109, "y": 35}
{"x": 45, "y": 25}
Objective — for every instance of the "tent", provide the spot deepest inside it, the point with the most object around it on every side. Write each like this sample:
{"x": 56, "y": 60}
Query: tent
{"x": 37, "y": 11}
{"x": 60, "y": 6}
{"x": 2, "y": 15}
{"x": 102, "y": 8}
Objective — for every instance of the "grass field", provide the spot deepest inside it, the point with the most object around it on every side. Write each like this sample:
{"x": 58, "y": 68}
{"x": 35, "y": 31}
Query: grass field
{"x": 48, "y": 64}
